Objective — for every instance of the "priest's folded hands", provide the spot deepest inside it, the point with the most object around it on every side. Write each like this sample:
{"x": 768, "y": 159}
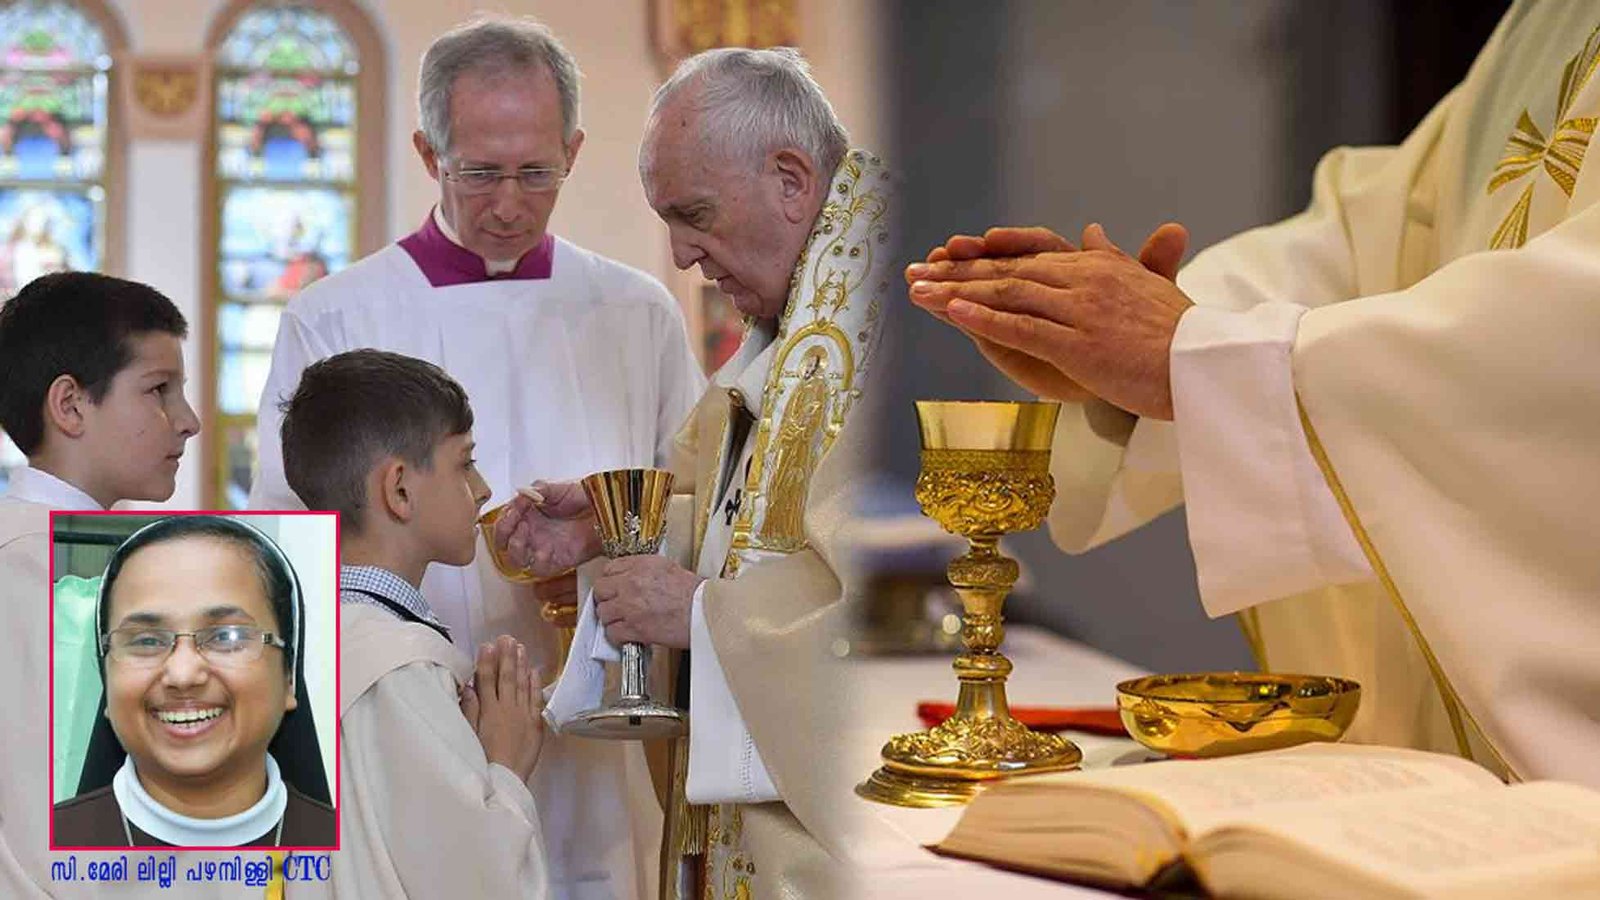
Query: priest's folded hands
{"x": 1063, "y": 322}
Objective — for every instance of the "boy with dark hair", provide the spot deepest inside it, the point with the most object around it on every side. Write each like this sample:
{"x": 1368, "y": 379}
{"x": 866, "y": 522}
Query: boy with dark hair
{"x": 91, "y": 390}
{"x": 386, "y": 441}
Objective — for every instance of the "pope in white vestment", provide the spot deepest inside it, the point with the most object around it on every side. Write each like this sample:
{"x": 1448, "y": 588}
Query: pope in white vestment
{"x": 573, "y": 363}
{"x": 770, "y": 813}
{"x": 1387, "y": 419}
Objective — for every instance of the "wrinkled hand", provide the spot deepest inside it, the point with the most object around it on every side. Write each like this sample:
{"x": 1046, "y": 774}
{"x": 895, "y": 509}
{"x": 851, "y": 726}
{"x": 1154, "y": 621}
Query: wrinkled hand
{"x": 503, "y": 706}
{"x": 551, "y": 537}
{"x": 1101, "y": 319}
{"x": 646, "y": 599}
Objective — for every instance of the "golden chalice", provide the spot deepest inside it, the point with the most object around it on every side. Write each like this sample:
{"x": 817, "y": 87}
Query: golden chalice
{"x": 563, "y": 614}
{"x": 985, "y": 473}
{"x": 630, "y": 510}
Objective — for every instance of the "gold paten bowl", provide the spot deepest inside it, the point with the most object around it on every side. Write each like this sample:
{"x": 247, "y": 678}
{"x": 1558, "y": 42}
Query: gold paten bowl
{"x": 1224, "y": 713}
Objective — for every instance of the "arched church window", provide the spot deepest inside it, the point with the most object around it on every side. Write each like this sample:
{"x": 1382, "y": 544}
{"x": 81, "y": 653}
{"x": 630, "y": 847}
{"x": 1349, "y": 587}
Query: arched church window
{"x": 293, "y": 86}
{"x": 57, "y": 153}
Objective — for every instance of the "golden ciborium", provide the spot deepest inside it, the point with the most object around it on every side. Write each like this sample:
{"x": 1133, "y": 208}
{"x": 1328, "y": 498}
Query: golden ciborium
{"x": 562, "y": 615}
{"x": 985, "y": 473}
{"x": 630, "y": 510}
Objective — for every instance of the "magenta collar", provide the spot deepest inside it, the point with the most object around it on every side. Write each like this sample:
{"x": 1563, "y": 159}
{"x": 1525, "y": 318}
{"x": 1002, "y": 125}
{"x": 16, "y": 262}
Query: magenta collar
{"x": 445, "y": 263}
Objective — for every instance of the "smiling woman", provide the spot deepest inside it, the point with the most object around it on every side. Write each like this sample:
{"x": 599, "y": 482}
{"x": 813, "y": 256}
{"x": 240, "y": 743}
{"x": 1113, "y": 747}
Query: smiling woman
{"x": 207, "y": 737}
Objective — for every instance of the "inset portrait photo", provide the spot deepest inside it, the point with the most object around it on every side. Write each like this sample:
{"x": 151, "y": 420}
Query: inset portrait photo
{"x": 194, "y": 686}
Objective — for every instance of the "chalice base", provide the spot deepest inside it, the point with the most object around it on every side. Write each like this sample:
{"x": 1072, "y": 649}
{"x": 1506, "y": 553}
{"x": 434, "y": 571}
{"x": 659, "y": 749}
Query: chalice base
{"x": 949, "y": 764}
{"x": 630, "y": 719}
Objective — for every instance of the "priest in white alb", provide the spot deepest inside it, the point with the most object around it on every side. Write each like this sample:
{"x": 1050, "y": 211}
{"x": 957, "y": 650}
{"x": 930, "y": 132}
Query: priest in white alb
{"x": 1382, "y": 415}
{"x": 750, "y": 169}
{"x": 573, "y": 363}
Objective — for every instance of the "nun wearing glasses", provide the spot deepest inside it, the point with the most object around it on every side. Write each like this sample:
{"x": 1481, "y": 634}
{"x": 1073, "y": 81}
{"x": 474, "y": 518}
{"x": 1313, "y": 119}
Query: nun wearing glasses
{"x": 206, "y": 737}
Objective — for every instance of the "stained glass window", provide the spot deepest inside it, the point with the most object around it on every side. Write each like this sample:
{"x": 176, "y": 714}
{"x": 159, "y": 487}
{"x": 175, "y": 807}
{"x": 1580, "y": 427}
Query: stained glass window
{"x": 54, "y": 65}
{"x": 286, "y": 98}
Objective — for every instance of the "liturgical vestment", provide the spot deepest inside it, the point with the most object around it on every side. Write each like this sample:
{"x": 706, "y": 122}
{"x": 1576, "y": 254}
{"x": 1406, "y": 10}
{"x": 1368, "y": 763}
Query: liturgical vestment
{"x": 1388, "y": 420}
{"x": 771, "y": 456}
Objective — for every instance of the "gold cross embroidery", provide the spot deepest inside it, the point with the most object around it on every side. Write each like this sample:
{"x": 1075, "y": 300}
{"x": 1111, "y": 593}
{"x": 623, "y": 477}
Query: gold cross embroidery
{"x": 1560, "y": 155}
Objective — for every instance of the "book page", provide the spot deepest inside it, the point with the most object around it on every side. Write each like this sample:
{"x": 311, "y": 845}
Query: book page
{"x": 1201, "y": 793}
{"x": 1122, "y": 825}
{"x": 1442, "y": 843}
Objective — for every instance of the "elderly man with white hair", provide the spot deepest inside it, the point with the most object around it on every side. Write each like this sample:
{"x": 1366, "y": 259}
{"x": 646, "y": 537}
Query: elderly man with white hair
{"x": 747, "y": 164}
{"x": 573, "y": 362}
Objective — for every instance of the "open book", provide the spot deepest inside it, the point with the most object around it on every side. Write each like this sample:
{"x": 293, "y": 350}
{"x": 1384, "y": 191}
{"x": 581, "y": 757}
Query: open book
{"x": 1319, "y": 820}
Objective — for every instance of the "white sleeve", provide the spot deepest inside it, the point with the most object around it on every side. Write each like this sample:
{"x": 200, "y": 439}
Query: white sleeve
{"x": 724, "y": 764}
{"x": 1262, "y": 521}
{"x": 1114, "y": 473}
{"x": 681, "y": 382}
{"x": 418, "y": 790}
{"x": 295, "y": 347}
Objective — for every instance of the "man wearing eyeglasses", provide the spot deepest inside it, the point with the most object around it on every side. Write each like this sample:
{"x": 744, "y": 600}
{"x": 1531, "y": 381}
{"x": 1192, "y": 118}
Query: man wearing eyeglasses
{"x": 574, "y": 363}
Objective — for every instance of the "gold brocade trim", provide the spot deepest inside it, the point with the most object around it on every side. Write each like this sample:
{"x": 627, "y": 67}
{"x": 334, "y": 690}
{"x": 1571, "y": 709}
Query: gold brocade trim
{"x": 1560, "y": 156}
{"x": 825, "y": 341}
{"x": 729, "y": 868}
{"x": 1453, "y": 706}
{"x": 722, "y": 460}
{"x": 686, "y": 822}
{"x": 1250, "y": 624}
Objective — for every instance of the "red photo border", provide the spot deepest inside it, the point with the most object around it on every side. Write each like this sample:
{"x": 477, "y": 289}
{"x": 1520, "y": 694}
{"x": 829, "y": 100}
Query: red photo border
{"x": 338, "y": 699}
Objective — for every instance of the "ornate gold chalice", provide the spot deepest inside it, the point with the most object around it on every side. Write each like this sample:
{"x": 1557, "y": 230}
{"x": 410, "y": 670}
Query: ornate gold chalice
{"x": 985, "y": 473}
{"x": 630, "y": 509}
{"x": 562, "y": 615}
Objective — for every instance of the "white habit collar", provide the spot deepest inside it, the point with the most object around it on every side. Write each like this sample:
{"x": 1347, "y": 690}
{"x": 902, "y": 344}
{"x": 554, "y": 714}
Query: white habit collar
{"x": 156, "y": 820}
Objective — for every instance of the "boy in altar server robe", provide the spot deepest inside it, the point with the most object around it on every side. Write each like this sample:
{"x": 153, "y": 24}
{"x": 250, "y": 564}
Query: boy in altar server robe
{"x": 435, "y": 752}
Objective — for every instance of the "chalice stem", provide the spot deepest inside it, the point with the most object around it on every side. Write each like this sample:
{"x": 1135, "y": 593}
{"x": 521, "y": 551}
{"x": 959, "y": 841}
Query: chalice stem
{"x": 982, "y": 699}
{"x": 983, "y": 577}
{"x": 635, "y": 671}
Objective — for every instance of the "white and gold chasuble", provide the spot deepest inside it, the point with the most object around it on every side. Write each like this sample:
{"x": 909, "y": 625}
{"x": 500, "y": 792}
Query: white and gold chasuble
{"x": 1448, "y": 393}
{"x": 765, "y": 515}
